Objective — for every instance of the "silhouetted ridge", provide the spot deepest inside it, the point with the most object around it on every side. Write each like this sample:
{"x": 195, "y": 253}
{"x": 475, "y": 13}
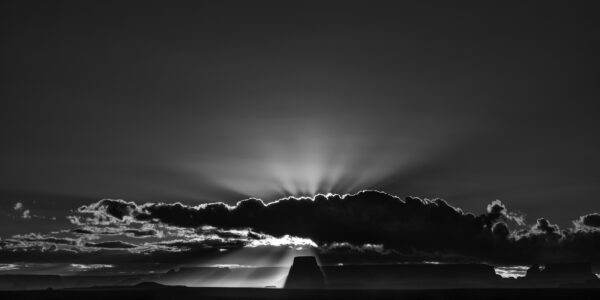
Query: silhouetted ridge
{"x": 150, "y": 285}
{"x": 305, "y": 273}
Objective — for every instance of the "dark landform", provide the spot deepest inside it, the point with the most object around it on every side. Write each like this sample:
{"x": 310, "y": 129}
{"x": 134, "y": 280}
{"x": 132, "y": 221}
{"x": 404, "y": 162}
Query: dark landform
{"x": 305, "y": 273}
{"x": 306, "y": 279}
{"x": 169, "y": 292}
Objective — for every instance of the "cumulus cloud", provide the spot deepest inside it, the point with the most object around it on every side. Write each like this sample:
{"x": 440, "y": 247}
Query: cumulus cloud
{"x": 410, "y": 225}
{"x": 25, "y": 213}
{"x": 588, "y": 222}
{"x": 370, "y": 224}
{"x": 544, "y": 226}
{"x": 592, "y": 220}
{"x": 364, "y": 218}
{"x": 498, "y": 210}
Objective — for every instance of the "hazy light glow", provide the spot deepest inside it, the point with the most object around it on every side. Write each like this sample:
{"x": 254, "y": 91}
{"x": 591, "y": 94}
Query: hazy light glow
{"x": 286, "y": 240}
{"x": 231, "y": 266}
{"x": 51, "y": 268}
{"x": 261, "y": 266}
{"x": 8, "y": 267}
{"x": 89, "y": 267}
{"x": 247, "y": 270}
{"x": 303, "y": 160}
{"x": 511, "y": 271}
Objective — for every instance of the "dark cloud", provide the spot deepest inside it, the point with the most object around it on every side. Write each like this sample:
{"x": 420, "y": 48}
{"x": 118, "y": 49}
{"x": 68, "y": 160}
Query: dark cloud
{"x": 203, "y": 245}
{"x": 367, "y": 226}
{"x": 122, "y": 230}
{"x": 544, "y": 226}
{"x": 117, "y": 209}
{"x": 111, "y": 245}
{"x": 172, "y": 245}
{"x": 406, "y": 226}
{"x": 34, "y": 237}
{"x": 115, "y": 252}
{"x": 366, "y": 217}
{"x": 140, "y": 232}
{"x": 496, "y": 210}
{"x": 501, "y": 229}
{"x": 592, "y": 220}
{"x": 82, "y": 231}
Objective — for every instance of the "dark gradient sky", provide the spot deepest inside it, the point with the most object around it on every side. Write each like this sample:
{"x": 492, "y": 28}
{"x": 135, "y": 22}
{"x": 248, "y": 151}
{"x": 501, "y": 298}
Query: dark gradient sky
{"x": 221, "y": 101}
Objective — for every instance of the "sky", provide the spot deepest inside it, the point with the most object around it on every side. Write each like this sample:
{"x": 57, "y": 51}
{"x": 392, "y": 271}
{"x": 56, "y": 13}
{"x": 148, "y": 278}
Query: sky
{"x": 217, "y": 102}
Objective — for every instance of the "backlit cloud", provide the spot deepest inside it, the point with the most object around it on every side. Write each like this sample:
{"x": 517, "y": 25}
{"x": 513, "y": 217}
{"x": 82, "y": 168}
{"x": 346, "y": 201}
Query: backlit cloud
{"x": 367, "y": 226}
{"x": 411, "y": 226}
{"x": 589, "y": 221}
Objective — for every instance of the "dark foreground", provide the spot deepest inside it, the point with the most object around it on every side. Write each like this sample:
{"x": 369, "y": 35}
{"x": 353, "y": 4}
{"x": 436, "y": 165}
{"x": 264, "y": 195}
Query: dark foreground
{"x": 258, "y": 293}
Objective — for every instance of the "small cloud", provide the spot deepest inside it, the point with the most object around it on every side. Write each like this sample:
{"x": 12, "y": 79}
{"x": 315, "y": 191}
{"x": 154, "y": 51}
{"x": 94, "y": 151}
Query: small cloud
{"x": 20, "y": 207}
{"x": 511, "y": 271}
{"x": 286, "y": 240}
{"x": 366, "y": 226}
{"x": 496, "y": 210}
{"x": 591, "y": 220}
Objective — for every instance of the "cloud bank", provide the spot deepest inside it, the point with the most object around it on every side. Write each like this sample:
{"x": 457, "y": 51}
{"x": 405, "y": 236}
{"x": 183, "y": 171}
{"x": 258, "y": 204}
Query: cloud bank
{"x": 366, "y": 226}
{"x": 410, "y": 226}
